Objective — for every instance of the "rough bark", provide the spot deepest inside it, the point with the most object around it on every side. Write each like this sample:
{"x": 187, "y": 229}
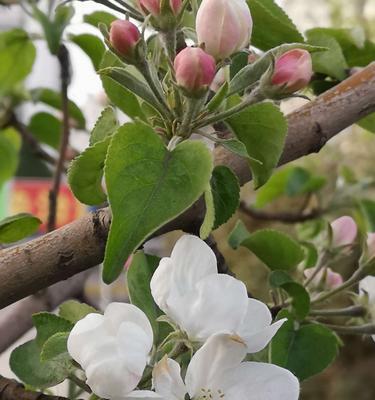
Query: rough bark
{"x": 80, "y": 245}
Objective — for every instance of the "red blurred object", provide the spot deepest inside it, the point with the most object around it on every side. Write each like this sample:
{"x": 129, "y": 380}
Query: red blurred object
{"x": 31, "y": 196}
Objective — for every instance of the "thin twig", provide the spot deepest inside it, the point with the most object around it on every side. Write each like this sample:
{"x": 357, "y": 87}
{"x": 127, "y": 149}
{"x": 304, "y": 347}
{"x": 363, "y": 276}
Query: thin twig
{"x": 64, "y": 60}
{"x": 285, "y": 217}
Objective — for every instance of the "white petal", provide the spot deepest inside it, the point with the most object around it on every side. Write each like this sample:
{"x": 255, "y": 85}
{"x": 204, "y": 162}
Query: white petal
{"x": 85, "y": 333}
{"x": 140, "y": 395}
{"x": 367, "y": 285}
{"x": 117, "y": 313}
{"x": 161, "y": 283}
{"x": 167, "y": 381}
{"x": 133, "y": 346}
{"x": 110, "y": 378}
{"x": 259, "y": 381}
{"x": 255, "y": 328}
{"x": 218, "y": 304}
{"x": 218, "y": 355}
{"x": 192, "y": 260}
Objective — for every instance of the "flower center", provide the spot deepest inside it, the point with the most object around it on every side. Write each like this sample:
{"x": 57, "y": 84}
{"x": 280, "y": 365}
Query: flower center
{"x": 208, "y": 394}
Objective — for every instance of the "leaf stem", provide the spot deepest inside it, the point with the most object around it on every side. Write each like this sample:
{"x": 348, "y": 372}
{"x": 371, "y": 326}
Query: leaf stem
{"x": 80, "y": 383}
{"x": 368, "y": 329}
{"x": 354, "y": 311}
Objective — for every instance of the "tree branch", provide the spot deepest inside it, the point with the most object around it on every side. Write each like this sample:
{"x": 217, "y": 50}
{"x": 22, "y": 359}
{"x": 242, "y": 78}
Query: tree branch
{"x": 12, "y": 390}
{"x": 80, "y": 245}
{"x": 64, "y": 60}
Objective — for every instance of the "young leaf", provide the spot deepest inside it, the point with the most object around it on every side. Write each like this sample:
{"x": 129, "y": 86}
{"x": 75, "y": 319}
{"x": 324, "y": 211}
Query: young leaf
{"x": 85, "y": 174}
{"x": 91, "y": 45}
{"x": 17, "y": 55}
{"x": 262, "y": 128}
{"x": 226, "y": 194}
{"x": 55, "y": 348}
{"x": 46, "y": 128}
{"x": 156, "y": 186}
{"x": 73, "y": 310}
{"x": 272, "y": 26}
{"x": 238, "y": 235}
{"x": 277, "y": 250}
{"x": 18, "y": 227}
{"x": 105, "y": 126}
{"x": 9, "y": 153}
{"x": 306, "y": 350}
{"x": 138, "y": 278}
{"x": 368, "y": 123}
{"x": 98, "y": 17}
{"x": 47, "y": 325}
{"x": 218, "y": 99}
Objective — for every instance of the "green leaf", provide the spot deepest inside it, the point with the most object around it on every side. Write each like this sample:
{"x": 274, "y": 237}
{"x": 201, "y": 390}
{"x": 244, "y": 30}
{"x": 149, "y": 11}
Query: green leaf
{"x": 131, "y": 83}
{"x": 209, "y": 218}
{"x": 53, "y": 99}
{"x": 9, "y": 153}
{"x": 99, "y": 17}
{"x": 105, "y": 126}
{"x": 17, "y": 55}
{"x": 301, "y": 181}
{"x": 300, "y": 297}
{"x": 26, "y": 364}
{"x": 368, "y": 209}
{"x": 277, "y": 250}
{"x": 85, "y": 174}
{"x": 47, "y": 325}
{"x": 237, "y": 147}
{"x": 73, "y": 310}
{"x": 46, "y": 128}
{"x": 262, "y": 128}
{"x": 18, "y": 227}
{"x": 139, "y": 275}
{"x": 156, "y": 186}
{"x": 91, "y": 45}
{"x": 55, "y": 348}
{"x": 272, "y": 26}
{"x": 219, "y": 97}
{"x": 226, "y": 194}
{"x": 331, "y": 62}
{"x": 238, "y": 235}
{"x": 306, "y": 350}
{"x": 121, "y": 97}
{"x": 368, "y": 123}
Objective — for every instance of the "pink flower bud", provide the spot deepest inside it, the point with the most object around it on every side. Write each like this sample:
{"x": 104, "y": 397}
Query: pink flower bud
{"x": 124, "y": 36}
{"x": 293, "y": 70}
{"x": 371, "y": 246}
{"x": 195, "y": 69}
{"x": 325, "y": 277}
{"x": 344, "y": 231}
{"x": 224, "y": 26}
{"x": 153, "y": 6}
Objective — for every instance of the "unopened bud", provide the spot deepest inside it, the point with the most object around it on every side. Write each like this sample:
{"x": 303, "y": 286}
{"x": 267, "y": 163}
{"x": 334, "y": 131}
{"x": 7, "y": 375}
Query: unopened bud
{"x": 153, "y": 7}
{"x": 371, "y": 246}
{"x": 124, "y": 36}
{"x": 344, "y": 231}
{"x": 195, "y": 70}
{"x": 224, "y": 27}
{"x": 326, "y": 278}
{"x": 293, "y": 71}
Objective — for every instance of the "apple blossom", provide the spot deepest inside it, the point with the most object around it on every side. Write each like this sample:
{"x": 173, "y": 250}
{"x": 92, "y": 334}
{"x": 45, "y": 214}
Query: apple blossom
{"x": 293, "y": 71}
{"x": 325, "y": 277}
{"x": 124, "y": 36}
{"x": 188, "y": 288}
{"x": 194, "y": 69}
{"x": 113, "y": 350}
{"x": 217, "y": 372}
{"x": 367, "y": 288}
{"x": 153, "y": 6}
{"x": 224, "y": 27}
{"x": 344, "y": 231}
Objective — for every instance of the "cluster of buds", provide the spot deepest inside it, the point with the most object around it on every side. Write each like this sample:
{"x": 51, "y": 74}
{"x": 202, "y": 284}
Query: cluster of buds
{"x": 164, "y": 13}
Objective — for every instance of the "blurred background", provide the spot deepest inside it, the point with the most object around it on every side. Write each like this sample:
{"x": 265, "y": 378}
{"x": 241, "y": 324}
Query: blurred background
{"x": 347, "y": 163}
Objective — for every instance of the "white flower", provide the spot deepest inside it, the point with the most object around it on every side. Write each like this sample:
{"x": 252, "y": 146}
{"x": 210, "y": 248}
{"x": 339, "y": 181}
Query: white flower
{"x": 113, "y": 350}
{"x": 367, "y": 288}
{"x": 216, "y": 372}
{"x": 188, "y": 288}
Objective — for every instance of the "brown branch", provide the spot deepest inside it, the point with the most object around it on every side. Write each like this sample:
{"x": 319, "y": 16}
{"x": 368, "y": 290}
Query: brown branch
{"x": 12, "y": 390}
{"x": 285, "y": 217}
{"x": 64, "y": 60}
{"x": 80, "y": 245}
{"x": 15, "y": 320}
